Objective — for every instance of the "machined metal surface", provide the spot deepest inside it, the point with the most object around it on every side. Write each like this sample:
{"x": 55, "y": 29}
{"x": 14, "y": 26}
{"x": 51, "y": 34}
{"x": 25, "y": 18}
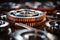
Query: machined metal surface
{"x": 3, "y": 25}
{"x": 28, "y": 16}
{"x": 29, "y": 34}
{"x": 53, "y": 26}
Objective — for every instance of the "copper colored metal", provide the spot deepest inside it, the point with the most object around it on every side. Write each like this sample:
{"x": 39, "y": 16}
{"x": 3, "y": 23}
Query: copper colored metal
{"x": 27, "y": 16}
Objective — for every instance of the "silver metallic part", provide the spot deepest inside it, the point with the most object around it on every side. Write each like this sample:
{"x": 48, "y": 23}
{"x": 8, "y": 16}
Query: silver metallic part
{"x": 53, "y": 24}
{"x": 17, "y": 34}
{"x": 3, "y": 23}
{"x": 14, "y": 5}
{"x": 25, "y": 13}
{"x": 49, "y": 4}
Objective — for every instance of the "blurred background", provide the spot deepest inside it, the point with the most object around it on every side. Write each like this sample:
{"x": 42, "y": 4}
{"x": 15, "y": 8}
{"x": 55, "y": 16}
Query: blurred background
{"x": 25, "y": 0}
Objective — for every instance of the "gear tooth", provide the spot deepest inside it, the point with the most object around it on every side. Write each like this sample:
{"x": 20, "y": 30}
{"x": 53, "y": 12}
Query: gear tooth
{"x": 4, "y": 25}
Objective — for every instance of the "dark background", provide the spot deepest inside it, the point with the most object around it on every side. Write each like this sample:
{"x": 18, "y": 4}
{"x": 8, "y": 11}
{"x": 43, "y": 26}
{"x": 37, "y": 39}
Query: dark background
{"x": 24, "y": 0}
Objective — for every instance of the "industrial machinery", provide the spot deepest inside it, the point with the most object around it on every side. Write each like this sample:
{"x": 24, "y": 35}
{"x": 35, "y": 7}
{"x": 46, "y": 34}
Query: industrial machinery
{"x": 30, "y": 20}
{"x": 27, "y": 16}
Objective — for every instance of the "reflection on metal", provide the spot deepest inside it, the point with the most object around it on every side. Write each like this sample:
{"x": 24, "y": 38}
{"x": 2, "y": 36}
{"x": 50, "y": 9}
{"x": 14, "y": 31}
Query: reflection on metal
{"x": 29, "y": 32}
{"x": 27, "y": 16}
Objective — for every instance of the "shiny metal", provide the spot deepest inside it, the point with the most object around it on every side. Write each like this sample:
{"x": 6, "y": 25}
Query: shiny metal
{"x": 22, "y": 13}
{"x": 3, "y": 17}
{"x": 49, "y": 4}
{"x": 19, "y": 34}
{"x": 33, "y": 5}
{"x": 56, "y": 14}
{"x": 29, "y": 32}
{"x": 14, "y": 5}
{"x": 27, "y": 16}
{"x": 3, "y": 23}
{"x": 58, "y": 2}
{"x": 53, "y": 26}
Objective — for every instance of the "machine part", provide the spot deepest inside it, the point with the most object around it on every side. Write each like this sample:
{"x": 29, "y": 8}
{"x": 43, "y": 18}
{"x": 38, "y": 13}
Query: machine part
{"x": 5, "y": 31}
{"x": 53, "y": 26}
{"x": 45, "y": 6}
{"x": 3, "y": 17}
{"x": 27, "y": 16}
{"x": 33, "y": 5}
{"x": 56, "y": 14}
{"x": 14, "y": 5}
{"x": 10, "y": 6}
{"x": 3, "y": 25}
{"x": 49, "y": 6}
{"x": 28, "y": 34}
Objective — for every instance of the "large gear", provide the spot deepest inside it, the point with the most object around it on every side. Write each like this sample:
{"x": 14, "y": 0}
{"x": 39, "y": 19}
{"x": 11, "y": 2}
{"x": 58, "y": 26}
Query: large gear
{"x": 28, "y": 16}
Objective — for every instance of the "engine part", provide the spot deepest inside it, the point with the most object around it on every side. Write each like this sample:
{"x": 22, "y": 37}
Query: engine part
{"x": 28, "y": 16}
{"x": 28, "y": 35}
{"x": 3, "y": 25}
{"x": 53, "y": 26}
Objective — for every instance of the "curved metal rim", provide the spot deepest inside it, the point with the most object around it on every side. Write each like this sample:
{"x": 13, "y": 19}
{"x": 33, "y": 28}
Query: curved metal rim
{"x": 40, "y": 12}
{"x": 4, "y": 25}
{"x": 19, "y": 32}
